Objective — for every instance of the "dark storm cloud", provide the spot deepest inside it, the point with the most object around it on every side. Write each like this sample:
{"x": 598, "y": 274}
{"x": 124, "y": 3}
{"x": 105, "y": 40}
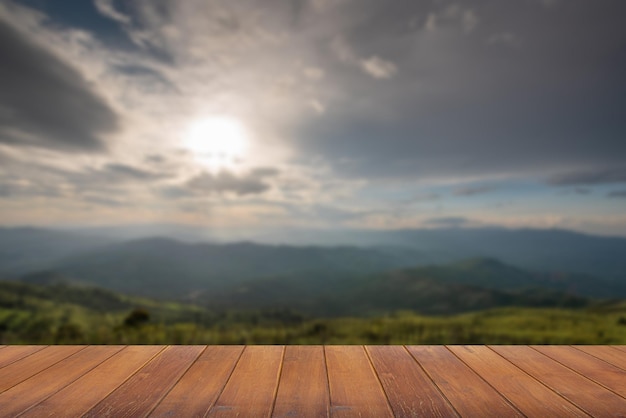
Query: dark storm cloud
{"x": 45, "y": 101}
{"x": 461, "y": 104}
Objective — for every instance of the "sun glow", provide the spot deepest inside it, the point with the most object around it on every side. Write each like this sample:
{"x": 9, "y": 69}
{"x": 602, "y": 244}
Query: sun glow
{"x": 218, "y": 141}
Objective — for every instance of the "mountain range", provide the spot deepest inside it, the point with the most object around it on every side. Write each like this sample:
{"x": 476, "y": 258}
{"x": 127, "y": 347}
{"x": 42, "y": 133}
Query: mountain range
{"x": 412, "y": 270}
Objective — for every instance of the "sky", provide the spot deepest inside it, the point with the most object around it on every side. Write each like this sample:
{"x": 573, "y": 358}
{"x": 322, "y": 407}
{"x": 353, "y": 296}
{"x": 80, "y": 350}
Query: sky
{"x": 314, "y": 113}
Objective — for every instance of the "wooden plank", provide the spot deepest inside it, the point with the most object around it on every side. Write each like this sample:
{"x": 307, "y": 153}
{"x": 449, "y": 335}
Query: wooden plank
{"x": 529, "y": 396}
{"x": 83, "y": 394}
{"x": 251, "y": 389}
{"x": 606, "y": 353}
{"x": 141, "y": 393}
{"x": 22, "y": 369}
{"x": 198, "y": 389}
{"x": 35, "y": 389}
{"x": 601, "y": 372}
{"x": 467, "y": 392}
{"x": 354, "y": 387}
{"x": 17, "y": 352}
{"x": 620, "y": 347}
{"x": 303, "y": 388}
{"x": 410, "y": 391}
{"x": 587, "y": 395}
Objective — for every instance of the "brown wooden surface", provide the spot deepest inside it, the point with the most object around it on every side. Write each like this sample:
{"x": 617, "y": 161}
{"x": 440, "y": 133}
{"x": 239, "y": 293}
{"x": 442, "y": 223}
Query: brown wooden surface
{"x": 354, "y": 386}
{"x": 14, "y": 353}
{"x": 467, "y": 392}
{"x": 528, "y": 395}
{"x": 312, "y": 381}
{"x": 83, "y": 394}
{"x": 609, "y": 354}
{"x": 409, "y": 389}
{"x": 142, "y": 392}
{"x": 584, "y": 393}
{"x": 303, "y": 388}
{"x": 607, "y": 375}
{"x": 199, "y": 388}
{"x": 251, "y": 389}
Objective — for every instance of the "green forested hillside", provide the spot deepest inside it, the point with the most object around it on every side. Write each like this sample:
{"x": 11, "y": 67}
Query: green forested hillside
{"x": 470, "y": 285}
{"x": 61, "y": 314}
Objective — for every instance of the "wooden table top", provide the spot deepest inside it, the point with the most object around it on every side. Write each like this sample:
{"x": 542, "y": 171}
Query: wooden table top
{"x": 312, "y": 381}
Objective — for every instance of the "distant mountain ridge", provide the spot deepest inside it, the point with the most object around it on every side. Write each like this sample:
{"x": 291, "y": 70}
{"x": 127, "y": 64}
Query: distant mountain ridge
{"x": 437, "y": 289}
{"x": 170, "y": 269}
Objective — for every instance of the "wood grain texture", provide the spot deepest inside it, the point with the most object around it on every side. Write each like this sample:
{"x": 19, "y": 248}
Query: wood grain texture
{"x": 198, "y": 389}
{"x": 14, "y": 353}
{"x": 592, "y": 368}
{"x": 410, "y": 391}
{"x": 467, "y": 392}
{"x": 303, "y": 388}
{"x": 83, "y": 394}
{"x": 354, "y": 387}
{"x": 251, "y": 389}
{"x": 35, "y": 389}
{"x": 21, "y": 370}
{"x": 142, "y": 392}
{"x": 587, "y": 395}
{"x": 620, "y": 347}
{"x": 529, "y": 396}
{"x": 315, "y": 381}
{"x": 606, "y": 353}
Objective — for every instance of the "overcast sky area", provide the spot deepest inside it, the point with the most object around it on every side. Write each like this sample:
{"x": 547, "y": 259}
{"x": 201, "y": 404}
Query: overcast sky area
{"x": 314, "y": 113}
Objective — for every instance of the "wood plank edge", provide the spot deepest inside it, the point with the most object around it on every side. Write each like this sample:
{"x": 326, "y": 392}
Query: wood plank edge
{"x": 600, "y": 358}
{"x": 26, "y": 356}
{"x": 45, "y": 368}
{"x": 175, "y": 383}
{"x": 280, "y": 375}
{"x": 507, "y": 400}
{"x": 71, "y": 382}
{"x": 127, "y": 378}
{"x": 208, "y": 410}
{"x": 572, "y": 401}
{"x": 579, "y": 373}
{"x": 443, "y": 395}
{"x": 380, "y": 383}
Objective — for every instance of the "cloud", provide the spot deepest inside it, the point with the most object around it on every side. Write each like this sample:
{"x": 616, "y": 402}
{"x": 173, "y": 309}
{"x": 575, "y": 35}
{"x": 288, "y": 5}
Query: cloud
{"x": 621, "y": 194}
{"x": 590, "y": 177}
{"x": 504, "y": 38}
{"x": 317, "y": 106}
{"x": 254, "y": 182}
{"x": 449, "y": 222}
{"x": 459, "y": 107}
{"x": 470, "y": 20}
{"x": 47, "y": 102}
{"x": 472, "y": 190}
{"x": 378, "y": 67}
{"x": 373, "y": 66}
{"x": 314, "y": 73}
{"x": 107, "y": 8}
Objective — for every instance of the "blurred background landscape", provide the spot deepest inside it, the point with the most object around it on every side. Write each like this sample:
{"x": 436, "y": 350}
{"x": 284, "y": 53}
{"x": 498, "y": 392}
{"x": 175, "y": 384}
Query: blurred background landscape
{"x": 390, "y": 287}
{"x": 312, "y": 171}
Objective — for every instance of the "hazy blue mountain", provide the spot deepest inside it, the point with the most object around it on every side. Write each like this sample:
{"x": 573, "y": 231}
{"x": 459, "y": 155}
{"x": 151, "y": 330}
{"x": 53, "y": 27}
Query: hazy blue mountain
{"x": 29, "y": 249}
{"x": 163, "y": 267}
{"x": 444, "y": 289}
{"x": 534, "y": 249}
{"x": 166, "y": 268}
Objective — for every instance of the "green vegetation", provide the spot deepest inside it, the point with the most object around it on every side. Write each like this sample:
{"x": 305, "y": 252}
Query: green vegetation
{"x": 69, "y": 314}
